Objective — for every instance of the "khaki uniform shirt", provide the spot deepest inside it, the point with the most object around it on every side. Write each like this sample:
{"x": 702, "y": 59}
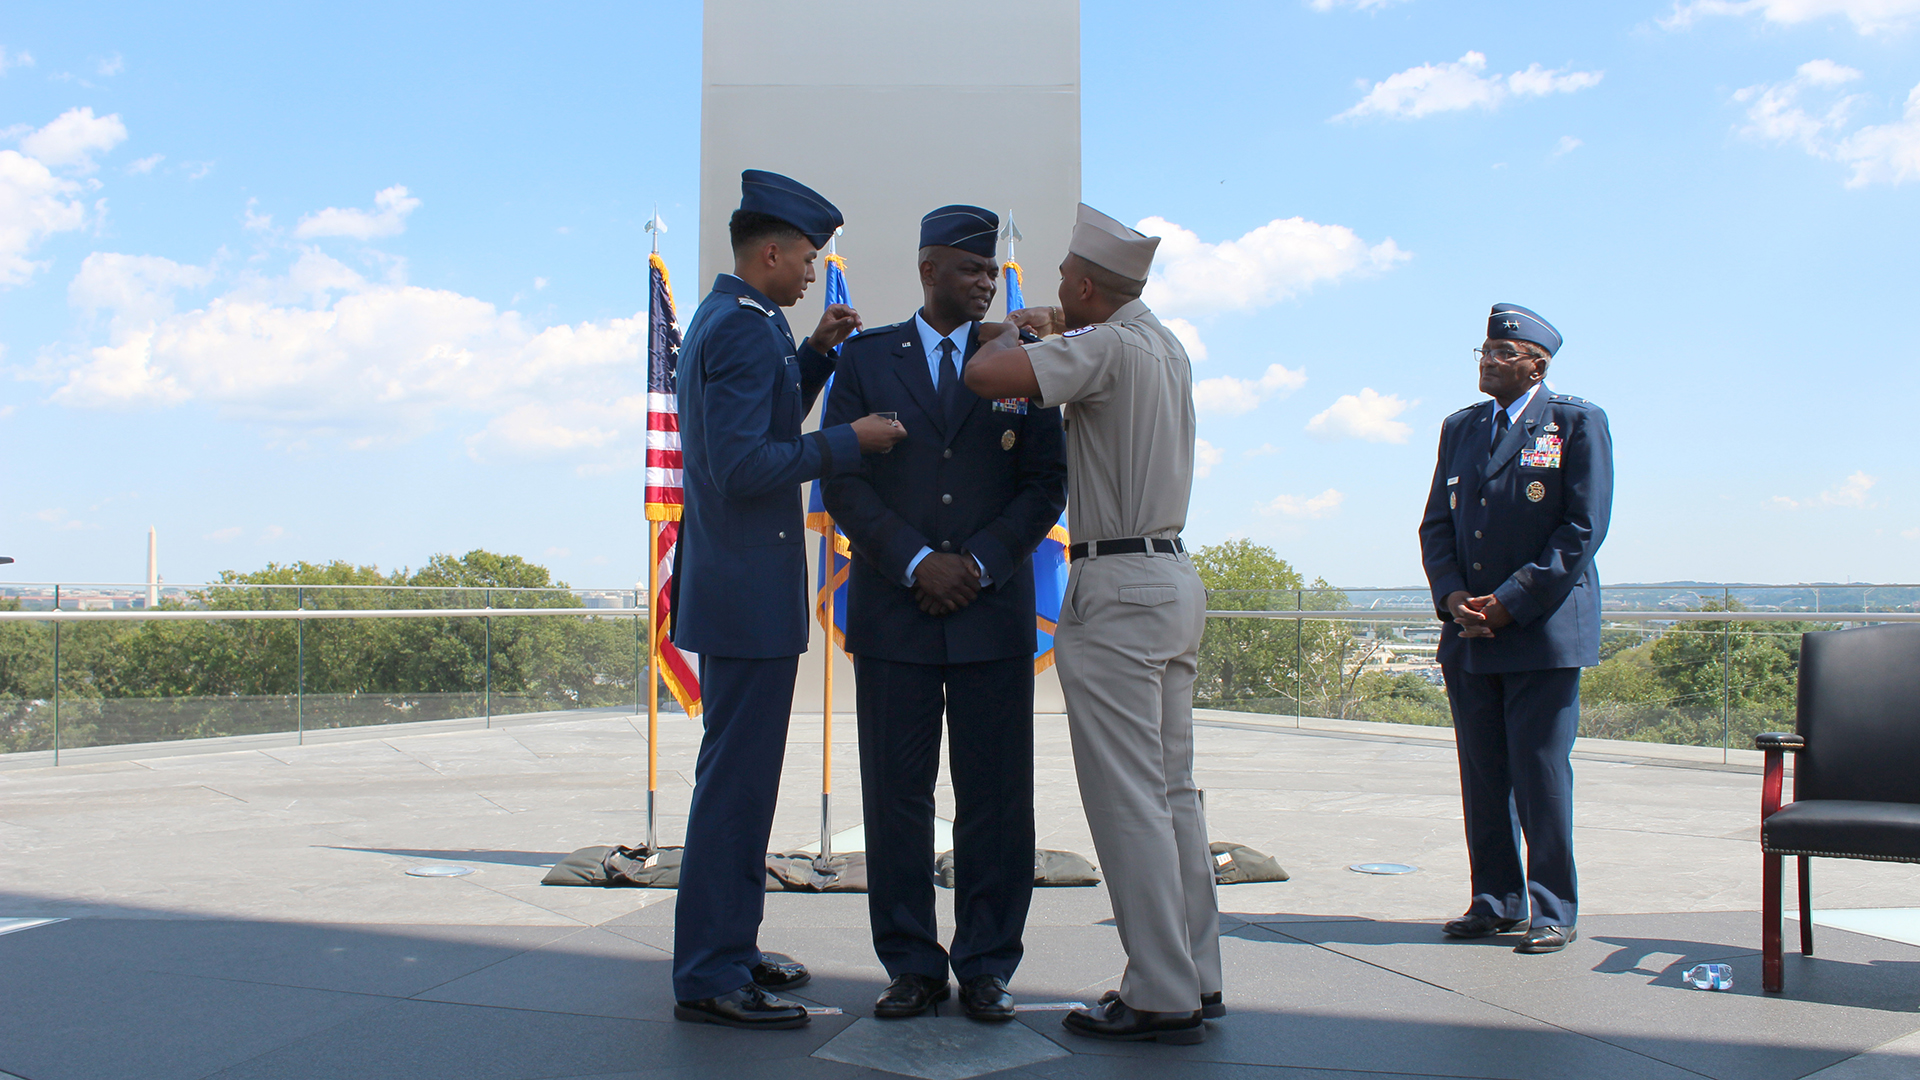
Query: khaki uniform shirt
{"x": 1127, "y": 390}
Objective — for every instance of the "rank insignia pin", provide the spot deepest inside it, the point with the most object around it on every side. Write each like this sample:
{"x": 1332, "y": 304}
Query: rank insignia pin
{"x": 1006, "y": 439}
{"x": 1536, "y": 491}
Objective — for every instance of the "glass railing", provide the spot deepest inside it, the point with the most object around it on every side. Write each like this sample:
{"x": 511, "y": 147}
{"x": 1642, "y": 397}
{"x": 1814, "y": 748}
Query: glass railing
{"x": 1686, "y": 664}
{"x": 214, "y": 661}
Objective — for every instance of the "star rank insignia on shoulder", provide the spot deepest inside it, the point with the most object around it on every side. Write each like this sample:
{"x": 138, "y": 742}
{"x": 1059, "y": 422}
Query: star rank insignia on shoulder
{"x": 750, "y": 302}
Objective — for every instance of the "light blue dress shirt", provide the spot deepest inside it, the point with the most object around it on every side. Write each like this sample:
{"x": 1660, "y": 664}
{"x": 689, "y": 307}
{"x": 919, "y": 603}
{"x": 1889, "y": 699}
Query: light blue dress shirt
{"x": 1513, "y": 412}
{"x": 930, "y": 340}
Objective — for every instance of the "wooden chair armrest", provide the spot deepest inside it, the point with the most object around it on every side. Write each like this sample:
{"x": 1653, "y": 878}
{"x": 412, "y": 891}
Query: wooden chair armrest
{"x": 1777, "y": 744}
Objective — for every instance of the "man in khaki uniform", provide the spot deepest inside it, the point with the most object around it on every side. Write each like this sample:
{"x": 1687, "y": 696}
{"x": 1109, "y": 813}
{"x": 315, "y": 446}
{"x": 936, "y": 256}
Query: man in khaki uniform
{"x": 1130, "y": 625}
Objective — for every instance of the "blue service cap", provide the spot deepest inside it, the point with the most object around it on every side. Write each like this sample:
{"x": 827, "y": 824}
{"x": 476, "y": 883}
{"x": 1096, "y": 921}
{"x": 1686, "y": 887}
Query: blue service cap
{"x": 970, "y": 228}
{"x": 1511, "y": 322}
{"x": 791, "y": 201}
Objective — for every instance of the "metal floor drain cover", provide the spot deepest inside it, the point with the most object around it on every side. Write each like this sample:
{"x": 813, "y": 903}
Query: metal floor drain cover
{"x": 1382, "y": 868}
{"x": 439, "y": 871}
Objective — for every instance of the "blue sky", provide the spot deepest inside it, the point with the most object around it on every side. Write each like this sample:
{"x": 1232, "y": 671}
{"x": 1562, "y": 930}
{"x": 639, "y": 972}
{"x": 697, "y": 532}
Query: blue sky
{"x": 362, "y": 281}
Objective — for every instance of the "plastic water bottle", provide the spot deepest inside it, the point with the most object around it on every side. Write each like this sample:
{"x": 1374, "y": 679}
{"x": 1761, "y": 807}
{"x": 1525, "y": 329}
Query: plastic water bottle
{"x": 1709, "y": 977}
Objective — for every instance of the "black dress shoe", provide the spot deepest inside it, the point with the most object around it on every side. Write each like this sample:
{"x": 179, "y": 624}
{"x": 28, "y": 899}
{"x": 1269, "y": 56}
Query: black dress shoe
{"x": 1478, "y": 924}
{"x": 910, "y": 995}
{"x": 747, "y": 1007}
{"x": 1546, "y": 939}
{"x": 1212, "y": 1006}
{"x": 774, "y": 975}
{"x": 1115, "y": 1019}
{"x": 985, "y": 997}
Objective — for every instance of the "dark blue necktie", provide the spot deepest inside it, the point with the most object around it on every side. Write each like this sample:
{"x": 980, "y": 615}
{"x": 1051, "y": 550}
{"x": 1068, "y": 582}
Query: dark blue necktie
{"x": 949, "y": 377}
{"x": 1501, "y": 423}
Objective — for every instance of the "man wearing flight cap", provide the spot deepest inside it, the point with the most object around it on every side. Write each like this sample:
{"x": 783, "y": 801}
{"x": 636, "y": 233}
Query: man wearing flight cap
{"x": 1520, "y": 500}
{"x": 940, "y": 616}
{"x": 1130, "y": 624}
{"x": 740, "y": 586}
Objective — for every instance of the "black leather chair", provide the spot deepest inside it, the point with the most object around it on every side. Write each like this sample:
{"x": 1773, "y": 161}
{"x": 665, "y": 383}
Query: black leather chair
{"x": 1856, "y": 780}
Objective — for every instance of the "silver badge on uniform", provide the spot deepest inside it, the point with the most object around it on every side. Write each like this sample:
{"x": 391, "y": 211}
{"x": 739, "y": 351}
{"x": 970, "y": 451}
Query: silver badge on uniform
{"x": 1551, "y": 427}
{"x": 1536, "y": 491}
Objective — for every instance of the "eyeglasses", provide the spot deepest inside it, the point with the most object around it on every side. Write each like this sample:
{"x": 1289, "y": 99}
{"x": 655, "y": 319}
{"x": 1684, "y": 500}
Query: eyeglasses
{"x": 1500, "y": 356}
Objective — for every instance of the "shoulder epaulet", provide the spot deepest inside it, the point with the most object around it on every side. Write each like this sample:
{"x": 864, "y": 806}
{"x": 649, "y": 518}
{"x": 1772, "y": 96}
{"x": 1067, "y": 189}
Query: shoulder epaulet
{"x": 874, "y": 330}
{"x": 750, "y": 302}
{"x": 1468, "y": 409}
{"x": 1569, "y": 399}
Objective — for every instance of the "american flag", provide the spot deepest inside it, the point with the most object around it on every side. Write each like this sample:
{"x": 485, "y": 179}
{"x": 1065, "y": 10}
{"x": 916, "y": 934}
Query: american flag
{"x": 666, "y": 493}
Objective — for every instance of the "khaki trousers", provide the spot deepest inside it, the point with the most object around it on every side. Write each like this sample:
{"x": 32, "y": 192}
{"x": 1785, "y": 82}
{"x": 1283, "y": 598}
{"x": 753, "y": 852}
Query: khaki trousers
{"x": 1127, "y": 646}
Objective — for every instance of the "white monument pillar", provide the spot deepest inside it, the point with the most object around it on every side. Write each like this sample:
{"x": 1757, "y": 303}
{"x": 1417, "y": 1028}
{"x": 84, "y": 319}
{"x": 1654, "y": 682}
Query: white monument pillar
{"x": 891, "y": 108}
{"x": 153, "y": 568}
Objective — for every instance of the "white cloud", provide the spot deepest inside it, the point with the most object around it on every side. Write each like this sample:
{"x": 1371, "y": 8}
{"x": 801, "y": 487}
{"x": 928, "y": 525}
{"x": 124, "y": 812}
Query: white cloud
{"x": 1867, "y": 16}
{"x": 1229, "y": 396}
{"x": 135, "y": 289}
{"x": 322, "y": 351}
{"x": 1879, "y": 153}
{"x": 559, "y": 552}
{"x": 1567, "y": 145}
{"x": 111, "y": 66}
{"x": 257, "y": 222}
{"x": 1911, "y": 534}
{"x": 1261, "y": 451}
{"x": 145, "y": 165}
{"x": 539, "y": 283}
{"x": 1272, "y": 263}
{"x": 59, "y": 519}
{"x": 221, "y": 536}
{"x": 389, "y": 218}
{"x": 1368, "y": 416}
{"x": 19, "y": 59}
{"x": 1189, "y": 336}
{"x": 1887, "y": 153}
{"x": 73, "y": 137}
{"x": 1434, "y": 88}
{"x": 34, "y": 204}
{"x": 1205, "y": 457}
{"x": 1851, "y": 494}
{"x": 1301, "y": 506}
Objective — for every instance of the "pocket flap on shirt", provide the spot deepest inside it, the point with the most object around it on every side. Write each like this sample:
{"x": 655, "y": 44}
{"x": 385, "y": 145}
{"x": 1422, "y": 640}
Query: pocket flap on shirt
{"x": 1148, "y": 595}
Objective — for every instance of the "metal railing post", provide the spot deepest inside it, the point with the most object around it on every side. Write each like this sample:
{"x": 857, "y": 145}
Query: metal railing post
{"x": 56, "y": 678}
{"x": 1299, "y": 676}
{"x": 638, "y": 671}
{"x": 1726, "y": 679}
{"x": 489, "y": 658}
{"x": 300, "y": 667}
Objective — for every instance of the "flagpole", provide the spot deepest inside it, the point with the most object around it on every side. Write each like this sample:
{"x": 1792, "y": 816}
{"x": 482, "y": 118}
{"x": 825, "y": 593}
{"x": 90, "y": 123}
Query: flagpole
{"x": 653, "y": 684}
{"x": 656, "y": 227}
{"x": 826, "y": 681}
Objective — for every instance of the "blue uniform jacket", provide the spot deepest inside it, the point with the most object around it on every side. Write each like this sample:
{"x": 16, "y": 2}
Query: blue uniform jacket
{"x": 1523, "y": 525}
{"x": 989, "y": 481}
{"x": 740, "y": 580}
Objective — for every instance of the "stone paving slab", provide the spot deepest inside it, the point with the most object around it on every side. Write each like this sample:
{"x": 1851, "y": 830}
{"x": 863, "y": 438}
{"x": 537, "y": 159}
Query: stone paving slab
{"x": 246, "y": 914}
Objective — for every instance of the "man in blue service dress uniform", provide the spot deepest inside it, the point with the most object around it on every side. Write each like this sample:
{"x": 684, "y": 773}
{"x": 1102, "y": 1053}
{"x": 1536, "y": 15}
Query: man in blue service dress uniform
{"x": 1520, "y": 502}
{"x": 940, "y": 616}
{"x": 741, "y": 583}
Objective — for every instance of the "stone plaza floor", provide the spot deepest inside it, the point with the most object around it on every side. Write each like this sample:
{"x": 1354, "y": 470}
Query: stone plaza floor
{"x": 240, "y": 909}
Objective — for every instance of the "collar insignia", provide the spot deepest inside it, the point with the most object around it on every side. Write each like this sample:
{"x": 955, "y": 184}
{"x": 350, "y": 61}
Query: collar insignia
{"x": 750, "y": 302}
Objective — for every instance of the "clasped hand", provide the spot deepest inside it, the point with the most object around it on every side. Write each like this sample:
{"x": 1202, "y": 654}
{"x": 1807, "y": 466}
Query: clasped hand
{"x": 943, "y": 584}
{"x": 1478, "y": 616}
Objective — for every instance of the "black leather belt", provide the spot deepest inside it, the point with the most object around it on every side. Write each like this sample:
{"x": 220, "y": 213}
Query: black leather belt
{"x": 1132, "y": 545}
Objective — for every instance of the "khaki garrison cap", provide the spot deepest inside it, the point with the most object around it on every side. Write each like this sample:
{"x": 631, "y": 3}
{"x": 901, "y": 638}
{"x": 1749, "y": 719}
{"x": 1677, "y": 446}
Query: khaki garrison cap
{"x": 1110, "y": 245}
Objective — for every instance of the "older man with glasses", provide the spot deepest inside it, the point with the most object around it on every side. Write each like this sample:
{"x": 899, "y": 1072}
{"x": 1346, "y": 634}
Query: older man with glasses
{"x": 1520, "y": 501}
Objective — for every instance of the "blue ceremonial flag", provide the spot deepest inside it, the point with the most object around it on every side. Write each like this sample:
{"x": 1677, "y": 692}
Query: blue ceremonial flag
{"x": 1050, "y": 560}
{"x": 830, "y": 604}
